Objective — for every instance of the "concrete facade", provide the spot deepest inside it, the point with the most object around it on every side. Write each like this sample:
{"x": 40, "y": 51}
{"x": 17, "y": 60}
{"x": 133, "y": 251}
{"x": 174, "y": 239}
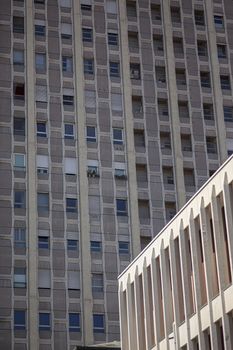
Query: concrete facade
{"x": 112, "y": 115}
{"x": 177, "y": 294}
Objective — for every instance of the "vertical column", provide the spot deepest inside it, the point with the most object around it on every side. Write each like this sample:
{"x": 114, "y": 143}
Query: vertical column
{"x": 131, "y": 316}
{"x": 217, "y": 92}
{"x": 172, "y": 93}
{"x": 141, "y": 342}
{"x": 31, "y": 189}
{"x": 85, "y": 257}
{"x": 129, "y": 127}
{"x": 123, "y": 319}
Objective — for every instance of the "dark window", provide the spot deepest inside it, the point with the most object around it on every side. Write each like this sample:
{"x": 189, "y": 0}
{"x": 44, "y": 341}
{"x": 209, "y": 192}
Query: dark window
{"x": 175, "y": 15}
{"x": 68, "y": 100}
{"x": 88, "y": 66}
{"x": 228, "y": 113}
{"x": 72, "y": 244}
{"x": 19, "y": 237}
{"x": 39, "y": 30}
{"x": 74, "y": 322}
{"x": 69, "y": 131}
{"x": 202, "y": 48}
{"x": 208, "y": 111}
{"x": 91, "y": 134}
{"x": 222, "y": 51}
{"x": 199, "y": 17}
{"x": 18, "y": 57}
{"x": 123, "y": 247}
{"x": 121, "y": 207}
{"x": 87, "y": 35}
{"x": 39, "y": 1}
{"x": 19, "y": 319}
{"x": 19, "y": 91}
{"x": 117, "y": 136}
{"x": 112, "y": 39}
{"x": 42, "y": 202}
{"x": 67, "y": 64}
{"x": 71, "y": 205}
{"x": 85, "y": 7}
{"x": 43, "y": 242}
{"x": 97, "y": 282}
{"x": 211, "y": 145}
{"x": 180, "y": 77}
{"x": 156, "y": 12}
{"x": 19, "y": 199}
{"x": 218, "y": 21}
{"x": 131, "y": 9}
{"x": 114, "y": 69}
{"x": 135, "y": 71}
{"x": 44, "y": 321}
{"x": 95, "y": 247}
{"x": 225, "y": 82}
{"x": 19, "y": 126}
{"x": 205, "y": 79}
{"x": 41, "y": 129}
{"x": 98, "y": 323}
{"x": 158, "y": 44}
{"x": 18, "y": 24}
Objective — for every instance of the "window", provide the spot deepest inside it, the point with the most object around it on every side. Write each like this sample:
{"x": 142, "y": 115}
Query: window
{"x": 133, "y": 41}
{"x": 165, "y": 140}
{"x": 211, "y": 145}
{"x": 19, "y": 237}
{"x": 189, "y": 178}
{"x": 42, "y": 202}
{"x": 86, "y": 5}
{"x": 19, "y": 161}
{"x": 160, "y": 75}
{"x": 41, "y": 129}
{"x": 92, "y": 168}
{"x": 199, "y": 17}
{"x": 116, "y": 101}
{"x": 117, "y": 136}
{"x": 114, "y": 69}
{"x": 18, "y": 25}
{"x": 19, "y": 126}
{"x": 67, "y": 64}
{"x": 163, "y": 108}
{"x": 74, "y": 322}
{"x": 168, "y": 177}
{"x": 225, "y": 82}
{"x": 178, "y": 47}
{"x": 18, "y": 57}
{"x": 135, "y": 71}
{"x": 158, "y": 45}
{"x": 228, "y": 113}
{"x": 131, "y": 9}
{"x": 137, "y": 106}
{"x": 39, "y": 1}
{"x": 205, "y": 79}
{"x": 69, "y": 131}
{"x": 202, "y": 48}
{"x": 121, "y": 205}
{"x": 123, "y": 247}
{"x": 113, "y": 39}
{"x": 68, "y": 100}
{"x": 87, "y": 35}
{"x": 43, "y": 242}
{"x": 42, "y": 163}
{"x": 88, "y": 66}
{"x": 175, "y": 15}
{"x": 19, "y": 91}
{"x": 222, "y": 51}
{"x": 19, "y": 319}
{"x": 65, "y": 3}
{"x": 66, "y": 30}
{"x": 90, "y": 99}
{"x": 96, "y": 247}
{"x": 111, "y": 6}
{"x": 40, "y": 62}
{"x": 19, "y": 277}
{"x": 186, "y": 143}
{"x": 170, "y": 210}
{"x": 44, "y": 279}
{"x": 41, "y": 93}
{"x": 91, "y": 134}
{"x": 72, "y": 244}
{"x": 44, "y": 321}
{"x": 97, "y": 283}
{"x": 70, "y": 166}
{"x": 120, "y": 171}
{"x": 139, "y": 138}
{"x": 180, "y": 77}
{"x": 156, "y": 12}
{"x": 229, "y": 143}
{"x": 183, "y": 109}
{"x": 71, "y": 205}
{"x": 74, "y": 280}
{"x": 19, "y": 199}
{"x": 98, "y": 323}
{"x": 40, "y": 30}
{"x": 218, "y": 22}
{"x": 208, "y": 111}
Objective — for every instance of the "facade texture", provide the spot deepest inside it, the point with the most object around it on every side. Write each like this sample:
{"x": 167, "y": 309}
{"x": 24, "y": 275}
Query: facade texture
{"x": 112, "y": 114}
{"x": 177, "y": 294}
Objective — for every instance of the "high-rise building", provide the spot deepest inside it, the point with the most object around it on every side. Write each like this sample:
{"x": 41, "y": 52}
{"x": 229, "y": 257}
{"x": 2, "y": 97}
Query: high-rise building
{"x": 177, "y": 294}
{"x": 112, "y": 114}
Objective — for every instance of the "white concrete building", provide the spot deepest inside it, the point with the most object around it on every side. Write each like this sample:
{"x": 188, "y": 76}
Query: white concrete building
{"x": 178, "y": 293}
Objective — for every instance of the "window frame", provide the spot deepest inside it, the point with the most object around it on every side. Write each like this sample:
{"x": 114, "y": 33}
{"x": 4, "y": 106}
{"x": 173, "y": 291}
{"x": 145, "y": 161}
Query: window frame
{"x": 71, "y": 208}
{"x": 96, "y": 327}
{"x": 44, "y": 325}
{"x": 41, "y": 133}
{"x": 121, "y": 207}
{"x": 114, "y": 69}
{"x": 87, "y": 35}
{"x": 91, "y": 138}
{"x": 19, "y": 314}
{"x": 74, "y": 326}
{"x": 112, "y": 39}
